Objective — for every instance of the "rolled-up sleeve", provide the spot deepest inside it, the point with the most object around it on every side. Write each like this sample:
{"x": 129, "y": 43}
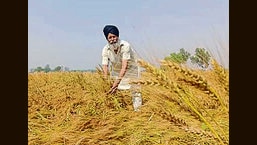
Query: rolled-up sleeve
{"x": 104, "y": 56}
{"x": 126, "y": 52}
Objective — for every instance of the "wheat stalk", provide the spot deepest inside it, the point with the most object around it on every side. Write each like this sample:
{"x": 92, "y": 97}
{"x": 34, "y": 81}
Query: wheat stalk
{"x": 197, "y": 78}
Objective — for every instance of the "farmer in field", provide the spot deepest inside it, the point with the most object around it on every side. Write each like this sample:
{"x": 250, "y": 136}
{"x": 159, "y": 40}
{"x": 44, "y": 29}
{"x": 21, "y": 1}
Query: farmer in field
{"x": 120, "y": 60}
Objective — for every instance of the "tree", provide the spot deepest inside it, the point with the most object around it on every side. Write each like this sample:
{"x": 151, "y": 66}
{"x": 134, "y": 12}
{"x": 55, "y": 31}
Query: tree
{"x": 58, "y": 68}
{"x": 38, "y": 69}
{"x": 180, "y": 57}
{"x": 47, "y": 68}
{"x": 201, "y": 57}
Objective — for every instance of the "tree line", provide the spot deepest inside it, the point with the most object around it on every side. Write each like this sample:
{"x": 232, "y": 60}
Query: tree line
{"x": 48, "y": 69}
{"x": 201, "y": 57}
{"x": 56, "y": 69}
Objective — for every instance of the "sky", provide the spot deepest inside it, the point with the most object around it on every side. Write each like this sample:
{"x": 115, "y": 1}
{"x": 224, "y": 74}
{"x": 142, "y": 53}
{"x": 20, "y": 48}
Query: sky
{"x": 70, "y": 32}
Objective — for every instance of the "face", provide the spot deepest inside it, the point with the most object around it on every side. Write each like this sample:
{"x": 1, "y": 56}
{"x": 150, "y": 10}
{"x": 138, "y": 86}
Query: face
{"x": 112, "y": 38}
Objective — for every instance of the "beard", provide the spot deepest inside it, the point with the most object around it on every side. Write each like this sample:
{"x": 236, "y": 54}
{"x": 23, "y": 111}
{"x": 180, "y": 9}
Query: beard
{"x": 114, "y": 46}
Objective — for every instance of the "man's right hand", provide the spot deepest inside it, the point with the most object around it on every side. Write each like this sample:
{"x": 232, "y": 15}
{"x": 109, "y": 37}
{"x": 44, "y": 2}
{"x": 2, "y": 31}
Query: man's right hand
{"x": 114, "y": 86}
{"x": 112, "y": 90}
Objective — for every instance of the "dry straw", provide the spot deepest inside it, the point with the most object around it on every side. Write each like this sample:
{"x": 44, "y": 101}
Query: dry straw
{"x": 180, "y": 106}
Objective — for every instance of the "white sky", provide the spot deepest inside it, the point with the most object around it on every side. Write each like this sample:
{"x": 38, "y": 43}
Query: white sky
{"x": 69, "y": 33}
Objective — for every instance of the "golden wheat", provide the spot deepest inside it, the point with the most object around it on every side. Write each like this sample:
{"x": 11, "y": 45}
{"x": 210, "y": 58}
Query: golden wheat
{"x": 74, "y": 108}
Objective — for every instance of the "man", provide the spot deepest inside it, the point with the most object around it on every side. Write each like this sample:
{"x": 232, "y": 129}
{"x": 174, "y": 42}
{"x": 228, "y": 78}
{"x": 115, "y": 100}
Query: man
{"x": 122, "y": 60}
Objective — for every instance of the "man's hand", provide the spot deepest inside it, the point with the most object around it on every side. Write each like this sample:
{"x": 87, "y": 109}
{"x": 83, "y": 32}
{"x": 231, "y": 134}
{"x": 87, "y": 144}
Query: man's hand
{"x": 112, "y": 90}
{"x": 114, "y": 86}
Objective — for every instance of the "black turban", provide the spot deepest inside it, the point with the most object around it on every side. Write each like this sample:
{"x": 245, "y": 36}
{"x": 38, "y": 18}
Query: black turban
{"x": 110, "y": 29}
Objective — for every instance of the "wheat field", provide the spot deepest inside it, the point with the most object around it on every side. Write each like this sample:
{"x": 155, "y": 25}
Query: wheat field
{"x": 181, "y": 106}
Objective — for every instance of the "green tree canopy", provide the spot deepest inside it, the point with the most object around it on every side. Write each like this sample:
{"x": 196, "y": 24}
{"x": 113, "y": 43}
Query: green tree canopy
{"x": 201, "y": 57}
{"x": 38, "y": 69}
{"x": 180, "y": 57}
{"x": 58, "y": 68}
{"x": 47, "y": 68}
